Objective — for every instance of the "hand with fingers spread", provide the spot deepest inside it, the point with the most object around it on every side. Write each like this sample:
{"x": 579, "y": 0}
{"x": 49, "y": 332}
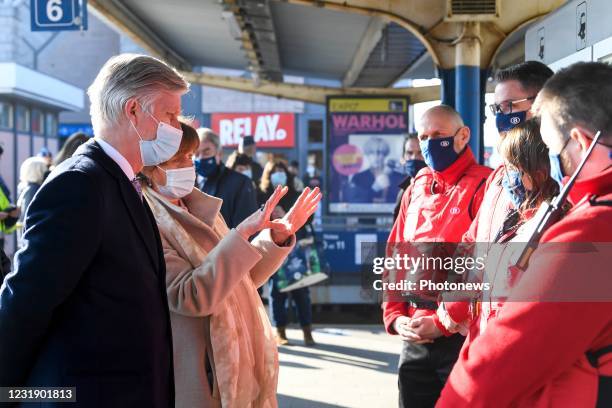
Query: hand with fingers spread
{"x": 297, "y": 216}
{"x": 260, "y": 219}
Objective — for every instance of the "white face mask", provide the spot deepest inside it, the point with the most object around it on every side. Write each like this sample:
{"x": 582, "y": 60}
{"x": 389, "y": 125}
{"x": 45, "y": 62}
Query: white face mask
{"x": 163, "y": 147}
{"x": 248, "y": 173}
{"x": 179, "y": 182}
{"x": 278, "y": 178}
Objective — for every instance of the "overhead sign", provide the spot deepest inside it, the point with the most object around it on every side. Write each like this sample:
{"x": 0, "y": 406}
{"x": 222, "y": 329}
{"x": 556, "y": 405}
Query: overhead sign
{"x": 268, "y": 129}
{"x": 58, "y": 15}
{"x": 67, "y": 129}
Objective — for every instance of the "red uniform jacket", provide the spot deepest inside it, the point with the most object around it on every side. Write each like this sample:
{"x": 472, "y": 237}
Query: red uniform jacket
{"x": 492, "y": 213}
{"x": 489, "y": 220}
{"x": 533, "y": 353}
{"x": 437, "y": 207}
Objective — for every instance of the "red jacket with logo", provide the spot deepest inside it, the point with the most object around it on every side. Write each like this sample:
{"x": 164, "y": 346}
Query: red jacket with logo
{"x": 533, "y": 353}
{"x": 437, "y": 207}
{"x": 496, "y": 204}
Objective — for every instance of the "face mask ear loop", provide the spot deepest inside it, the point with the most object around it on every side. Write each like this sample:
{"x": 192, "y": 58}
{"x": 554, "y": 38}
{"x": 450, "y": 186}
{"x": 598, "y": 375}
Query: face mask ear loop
{"x": 165, "y": 174}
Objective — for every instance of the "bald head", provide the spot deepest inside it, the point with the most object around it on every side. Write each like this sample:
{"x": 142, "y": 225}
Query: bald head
{"x": 442, "y": 113}
{"x": 444, "y": 121}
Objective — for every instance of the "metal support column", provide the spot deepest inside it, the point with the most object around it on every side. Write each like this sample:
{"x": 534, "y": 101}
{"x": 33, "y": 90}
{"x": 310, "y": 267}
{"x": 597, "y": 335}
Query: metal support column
{"x": 447, "y": 88}
{"x": 468, "y": 90}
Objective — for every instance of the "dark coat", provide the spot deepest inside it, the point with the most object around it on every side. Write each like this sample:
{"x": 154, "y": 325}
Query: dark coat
{"x": 237, "y": 192}
{"x": 25, "y": 198}
{"x": 86, "y": 306}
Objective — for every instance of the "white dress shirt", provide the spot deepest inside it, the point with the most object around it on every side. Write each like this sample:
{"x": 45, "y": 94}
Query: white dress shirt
{"x": 117, "y": 158}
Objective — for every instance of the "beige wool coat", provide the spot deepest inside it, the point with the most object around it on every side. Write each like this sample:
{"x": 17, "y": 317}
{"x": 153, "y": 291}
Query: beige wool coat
{"x": 212, "y": 275}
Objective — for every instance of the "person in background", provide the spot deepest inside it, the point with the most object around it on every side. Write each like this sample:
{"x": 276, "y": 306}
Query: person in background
{"x": 526, "y": 358}
{"x": 86, "y": 303}
{"x": 214, "y": 178}
{"x": 211, "y": 280}
{"x": 412, "y": 160}
{"x": 241, "y": 163}
{"x": 515, "y": 91}
{"x": 312, "y": 178}
{"x": 294, "y": 169}
{"x": 46, "y": 154}
{"x": 9, "y": 213}
{"x": 32, "y": 173}
{"x": 277, "y": 174}
{"x": 70, "y": 146}
{"x": 280, "y": 301}
{"x": 438, "y": 207}
{"x": 247, "y": 146}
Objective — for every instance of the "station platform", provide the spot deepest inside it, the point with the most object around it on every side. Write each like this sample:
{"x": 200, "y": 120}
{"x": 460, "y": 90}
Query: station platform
{"x": 352, "y": 366}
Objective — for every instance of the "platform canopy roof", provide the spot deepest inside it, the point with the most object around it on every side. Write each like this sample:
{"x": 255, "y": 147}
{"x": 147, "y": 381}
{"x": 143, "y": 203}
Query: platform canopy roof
{"x": 360, "y": 44}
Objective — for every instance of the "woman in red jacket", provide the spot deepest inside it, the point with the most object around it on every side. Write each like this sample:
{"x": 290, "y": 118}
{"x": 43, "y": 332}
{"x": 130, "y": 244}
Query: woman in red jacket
{"x": 527, "y": 183}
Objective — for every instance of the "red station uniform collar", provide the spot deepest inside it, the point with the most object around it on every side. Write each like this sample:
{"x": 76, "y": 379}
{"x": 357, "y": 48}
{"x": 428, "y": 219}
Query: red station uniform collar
{"x": 599, "y": 184}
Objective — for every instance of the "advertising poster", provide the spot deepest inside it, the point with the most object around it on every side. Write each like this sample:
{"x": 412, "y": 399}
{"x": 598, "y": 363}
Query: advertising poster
{"x": 364, "y": 138}
{"x": 268, "y": 129}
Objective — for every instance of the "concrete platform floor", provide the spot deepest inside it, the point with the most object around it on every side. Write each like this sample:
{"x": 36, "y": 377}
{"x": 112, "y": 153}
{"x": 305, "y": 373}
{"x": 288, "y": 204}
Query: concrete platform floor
{"x": 351, "y": 366}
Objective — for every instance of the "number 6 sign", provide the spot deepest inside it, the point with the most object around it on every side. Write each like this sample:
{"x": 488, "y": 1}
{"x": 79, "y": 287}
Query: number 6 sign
{"x": 58, "y": 15}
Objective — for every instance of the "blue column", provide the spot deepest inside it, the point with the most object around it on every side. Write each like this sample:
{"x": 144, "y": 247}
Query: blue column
{"x": 447, "y": 76}
{"x": 467, "y": 99}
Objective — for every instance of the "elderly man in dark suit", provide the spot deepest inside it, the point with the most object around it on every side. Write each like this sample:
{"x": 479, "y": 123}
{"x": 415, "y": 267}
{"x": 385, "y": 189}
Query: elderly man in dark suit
{"x": 86, "y": 304}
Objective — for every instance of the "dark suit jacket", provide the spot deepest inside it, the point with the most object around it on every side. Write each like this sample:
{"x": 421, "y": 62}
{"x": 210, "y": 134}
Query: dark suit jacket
{"x": 237, "y": 192}
{"x": 86, "y": 304}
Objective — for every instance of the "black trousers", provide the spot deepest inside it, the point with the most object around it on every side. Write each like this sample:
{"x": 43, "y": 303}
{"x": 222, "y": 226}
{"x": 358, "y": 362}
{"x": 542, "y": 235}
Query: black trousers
{"x": 424, "y": 368}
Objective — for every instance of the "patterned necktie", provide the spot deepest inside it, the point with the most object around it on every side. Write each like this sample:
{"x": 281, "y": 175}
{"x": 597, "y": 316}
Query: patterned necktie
{"x": 137, "y": 187}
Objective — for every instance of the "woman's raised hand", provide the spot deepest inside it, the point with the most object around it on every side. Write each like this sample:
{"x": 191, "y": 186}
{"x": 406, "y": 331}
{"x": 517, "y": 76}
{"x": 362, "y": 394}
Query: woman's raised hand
{"x": 260, "y": 219}
{"x": 297, "y": 216}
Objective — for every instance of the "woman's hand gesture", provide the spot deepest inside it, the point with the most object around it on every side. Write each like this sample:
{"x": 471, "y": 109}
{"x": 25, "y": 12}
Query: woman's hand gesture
{"x": 260, "y": 219}
{"x": 297, "y": 216}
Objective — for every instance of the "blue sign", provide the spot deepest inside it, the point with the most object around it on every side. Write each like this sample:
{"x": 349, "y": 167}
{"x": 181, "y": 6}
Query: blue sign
{"x": 67, "y": 129}
{"x": 58, "y": 15}
{"x": 343, "y": 249}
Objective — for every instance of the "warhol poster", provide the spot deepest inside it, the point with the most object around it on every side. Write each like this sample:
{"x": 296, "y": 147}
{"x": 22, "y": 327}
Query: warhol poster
{"x": 365, "y": 136}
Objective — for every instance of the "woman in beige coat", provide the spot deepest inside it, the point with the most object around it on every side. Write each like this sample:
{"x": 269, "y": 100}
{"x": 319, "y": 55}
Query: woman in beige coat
{"x": 224, "y": 349}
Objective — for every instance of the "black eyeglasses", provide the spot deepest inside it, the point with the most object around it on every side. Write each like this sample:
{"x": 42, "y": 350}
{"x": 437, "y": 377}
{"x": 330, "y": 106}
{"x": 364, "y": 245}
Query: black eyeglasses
{"x": 506, "y": 106}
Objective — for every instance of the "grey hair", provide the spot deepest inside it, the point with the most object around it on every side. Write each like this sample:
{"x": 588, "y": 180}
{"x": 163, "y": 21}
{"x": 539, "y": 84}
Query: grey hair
{"x": 33, "y": 170}
{"x": 127, "y": 76}
{"x": 206, "y": 134}
{"x": 372, "y": 143}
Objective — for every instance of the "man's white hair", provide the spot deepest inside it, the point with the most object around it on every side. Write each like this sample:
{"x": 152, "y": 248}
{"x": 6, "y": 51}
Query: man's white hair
{"x": 127, "y": 76}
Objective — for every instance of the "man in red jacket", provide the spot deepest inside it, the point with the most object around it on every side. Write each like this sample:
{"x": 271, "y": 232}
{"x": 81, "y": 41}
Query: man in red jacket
{"x": 550, "y": 345}
{"x": 515, "y": 90}
{"x": 438, "y": 206}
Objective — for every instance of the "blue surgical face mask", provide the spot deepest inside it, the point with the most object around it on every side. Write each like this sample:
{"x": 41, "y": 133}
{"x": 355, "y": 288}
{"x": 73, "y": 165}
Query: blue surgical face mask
{"x": 439, "y": 153}
{"x": 507, "y": 121}
{"x": 412, "y": 167}
{"x": 556, "y": 167}
{"x": 205, "y": 167}
{"x": 513, "y": 186}
{"x": 278, "y": 178}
